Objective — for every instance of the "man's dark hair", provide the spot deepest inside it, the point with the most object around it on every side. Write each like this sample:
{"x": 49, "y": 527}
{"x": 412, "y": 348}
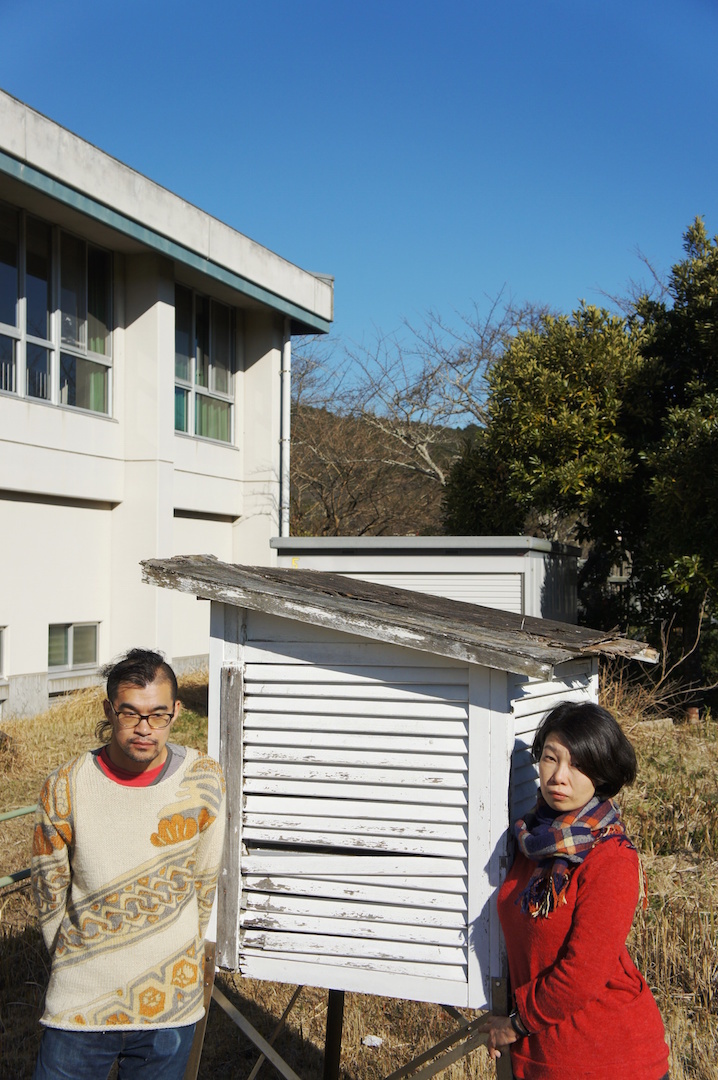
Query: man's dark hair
{"x": 595, "y": 742}
{"x": 138, "y": 667}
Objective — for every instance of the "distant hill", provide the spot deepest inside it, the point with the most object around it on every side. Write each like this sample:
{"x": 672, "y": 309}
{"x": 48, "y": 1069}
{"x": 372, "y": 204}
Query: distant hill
{"x": 354, "y": 477}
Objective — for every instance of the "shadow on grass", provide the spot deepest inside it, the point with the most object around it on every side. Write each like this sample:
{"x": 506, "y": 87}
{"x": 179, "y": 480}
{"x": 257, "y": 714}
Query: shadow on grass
{"x": 24, "y": 969}
{"x": 228, "y": 1053}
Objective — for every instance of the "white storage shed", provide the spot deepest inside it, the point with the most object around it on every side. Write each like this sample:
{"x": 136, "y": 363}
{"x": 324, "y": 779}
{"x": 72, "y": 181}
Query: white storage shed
{"x": 523, "y": 574}
{"x": 375, "y": 744}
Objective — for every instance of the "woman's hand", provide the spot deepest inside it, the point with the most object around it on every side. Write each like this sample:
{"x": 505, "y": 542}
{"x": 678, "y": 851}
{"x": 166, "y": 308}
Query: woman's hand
{"x": 501, "y": 1033}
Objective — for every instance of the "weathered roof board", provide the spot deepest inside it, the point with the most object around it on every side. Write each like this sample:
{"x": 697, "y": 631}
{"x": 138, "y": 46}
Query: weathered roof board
{"x": 498, "y": 639}
{"x": 368, "y": 736}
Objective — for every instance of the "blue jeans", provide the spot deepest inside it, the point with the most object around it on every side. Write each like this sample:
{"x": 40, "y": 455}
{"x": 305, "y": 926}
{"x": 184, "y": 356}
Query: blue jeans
{"x": 152, "y": 1054}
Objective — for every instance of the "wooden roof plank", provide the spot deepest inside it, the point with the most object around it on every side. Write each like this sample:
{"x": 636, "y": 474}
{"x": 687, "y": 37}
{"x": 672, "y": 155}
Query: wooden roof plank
{"x": 496, "y": 639}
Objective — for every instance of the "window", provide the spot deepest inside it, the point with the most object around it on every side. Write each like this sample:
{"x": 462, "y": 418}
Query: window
{"x": 55, "y": 314}
{"x": 204, "y": 366}
{"x": 72, "y": 645}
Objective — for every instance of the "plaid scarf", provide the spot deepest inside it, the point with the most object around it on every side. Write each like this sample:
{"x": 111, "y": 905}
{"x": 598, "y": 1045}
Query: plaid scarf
{"x": 558, "y": 843}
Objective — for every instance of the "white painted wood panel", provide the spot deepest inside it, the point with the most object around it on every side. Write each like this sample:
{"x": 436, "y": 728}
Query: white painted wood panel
{"x": 302, "y": 822}
{"x": 343, "y": 947}
{"x": 355, "y": 819}
{"x": 531, "y": 700}
{"x": 347, "y": 653}
{"x": 350, "y": 867}
{"x": 351, "y": 924}
{"x": 433, "y": 982}
{"x": 374, "y": 778}
{"x": 328, "y": 705}
{"x": 367, "y": 841}
{"x": 284, "y": 738}
{"x": 359, "y": 724}
{"x": 268, "y": 904}
{"x": 430, "y": 796}
{"x": 415, "y": 892}
{"x": 332, "y": 808}
{"x": 360, "y": 758}
{"x": 497, "y": 590}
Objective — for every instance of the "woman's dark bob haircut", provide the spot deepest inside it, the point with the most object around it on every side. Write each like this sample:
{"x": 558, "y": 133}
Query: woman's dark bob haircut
{"x": 596, "y": 743}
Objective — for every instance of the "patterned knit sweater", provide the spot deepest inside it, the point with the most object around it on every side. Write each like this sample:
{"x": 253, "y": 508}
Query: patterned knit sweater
{"x": 124, "y": 879}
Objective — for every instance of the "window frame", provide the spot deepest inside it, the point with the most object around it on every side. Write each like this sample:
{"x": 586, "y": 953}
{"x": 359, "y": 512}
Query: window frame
{"x": 192, "y": 390}
{"x": 58, "y": 351}
{"x": 56, "y": 669}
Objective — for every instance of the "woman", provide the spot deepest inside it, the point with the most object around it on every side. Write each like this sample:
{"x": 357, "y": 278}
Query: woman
{"x": 581, "y": 1009}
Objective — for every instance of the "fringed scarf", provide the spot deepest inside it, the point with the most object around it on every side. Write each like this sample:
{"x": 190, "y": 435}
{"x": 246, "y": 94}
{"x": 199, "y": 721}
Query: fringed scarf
{"x": 560, "y": 842}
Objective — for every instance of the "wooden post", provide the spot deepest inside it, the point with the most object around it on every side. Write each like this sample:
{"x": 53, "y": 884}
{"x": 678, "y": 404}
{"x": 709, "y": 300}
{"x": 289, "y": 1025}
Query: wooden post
{"x": 500, "y": 1006}
{"x": 333, "y": 1037}
{"x": 195, "y": 1053}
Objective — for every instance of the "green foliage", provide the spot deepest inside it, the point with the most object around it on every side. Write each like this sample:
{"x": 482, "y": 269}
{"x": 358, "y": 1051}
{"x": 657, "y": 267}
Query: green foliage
{"x": 605, "y": 430}
{"x": 552, "y": 444}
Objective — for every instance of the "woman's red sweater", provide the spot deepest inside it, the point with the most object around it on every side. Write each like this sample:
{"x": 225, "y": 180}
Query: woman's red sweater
{"x": 590, "y": 1013}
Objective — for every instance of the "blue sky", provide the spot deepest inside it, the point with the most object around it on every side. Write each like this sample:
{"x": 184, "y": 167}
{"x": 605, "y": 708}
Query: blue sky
{"x": 426, "y": 154}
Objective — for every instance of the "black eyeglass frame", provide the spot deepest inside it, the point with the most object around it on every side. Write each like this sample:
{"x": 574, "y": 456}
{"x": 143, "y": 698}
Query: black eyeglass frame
{"x": 138, "y": 717}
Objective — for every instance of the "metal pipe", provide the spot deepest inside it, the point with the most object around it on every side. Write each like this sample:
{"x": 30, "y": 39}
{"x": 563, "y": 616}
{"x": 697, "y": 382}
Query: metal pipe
{"x": 18, "y": 813}
{"x": 12, "y": 879}
{"x": 285, "y": 428}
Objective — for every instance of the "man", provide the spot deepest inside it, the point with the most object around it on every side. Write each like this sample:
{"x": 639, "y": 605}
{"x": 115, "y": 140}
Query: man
{"x": 126, "y": 853}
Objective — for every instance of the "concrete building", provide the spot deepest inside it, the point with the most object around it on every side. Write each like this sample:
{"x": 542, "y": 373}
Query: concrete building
{"x": 144, "y": 404}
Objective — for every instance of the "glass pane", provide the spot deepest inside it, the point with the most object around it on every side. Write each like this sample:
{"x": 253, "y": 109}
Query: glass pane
{"x": 99, "y": 279}
{"x": 7, "y": 364}
{"x": 57, "y": 646}
{"x": 183, "y": 334}
{"x": 201, "y": 374}
{"x": 221, "y": 349}
{"x": 72, "y": 290}
{"x": 38, "y": 279}
{"x": 38, "y": 372}
{"x": 181, "y": 408}
{"x": 212, "y": 418}
{"x": 83, "y": 384}
{"x": 8, "y": 266}
{"x": 84, "y": 645}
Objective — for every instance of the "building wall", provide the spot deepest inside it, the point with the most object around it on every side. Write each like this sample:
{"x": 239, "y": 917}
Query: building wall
{"x": 55, "y": 560}
{"x": 190, "y": 617}
{"x": 124, "y": 478}
{"x": 84, "y": 497}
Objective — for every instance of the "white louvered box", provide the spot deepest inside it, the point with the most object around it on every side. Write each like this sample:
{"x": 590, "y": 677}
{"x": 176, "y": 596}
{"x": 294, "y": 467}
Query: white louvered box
{"x": 370, "y": 786}
{"x": 376, "y": 747}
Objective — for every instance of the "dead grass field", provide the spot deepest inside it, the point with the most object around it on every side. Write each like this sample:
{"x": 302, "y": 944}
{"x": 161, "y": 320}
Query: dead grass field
{"x": 671, "y": 812}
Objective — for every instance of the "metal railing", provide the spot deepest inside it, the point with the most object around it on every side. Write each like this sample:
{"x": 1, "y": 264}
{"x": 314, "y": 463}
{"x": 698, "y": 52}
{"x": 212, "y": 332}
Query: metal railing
{"x": 19, "y": 875}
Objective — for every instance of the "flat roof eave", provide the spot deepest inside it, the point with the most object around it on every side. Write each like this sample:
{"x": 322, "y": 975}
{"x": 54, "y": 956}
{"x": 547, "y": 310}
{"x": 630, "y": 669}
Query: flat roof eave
{"x": 418, "y": 545}
{"x": 48, "y": 159}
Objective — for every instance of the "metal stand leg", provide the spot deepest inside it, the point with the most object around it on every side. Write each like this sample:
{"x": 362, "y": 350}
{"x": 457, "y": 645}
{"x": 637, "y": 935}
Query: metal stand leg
{"x": 279, "y": 1028}
{"x": 464, "y": 1040}
{"x": 333, "y": 1038}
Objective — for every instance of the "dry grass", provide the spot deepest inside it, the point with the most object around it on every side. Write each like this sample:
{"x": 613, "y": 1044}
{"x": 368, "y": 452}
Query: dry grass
{"x": 671, "y": 813}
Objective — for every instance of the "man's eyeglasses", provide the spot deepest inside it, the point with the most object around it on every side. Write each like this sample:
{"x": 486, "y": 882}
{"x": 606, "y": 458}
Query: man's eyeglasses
{"x": 128, "y": 718}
